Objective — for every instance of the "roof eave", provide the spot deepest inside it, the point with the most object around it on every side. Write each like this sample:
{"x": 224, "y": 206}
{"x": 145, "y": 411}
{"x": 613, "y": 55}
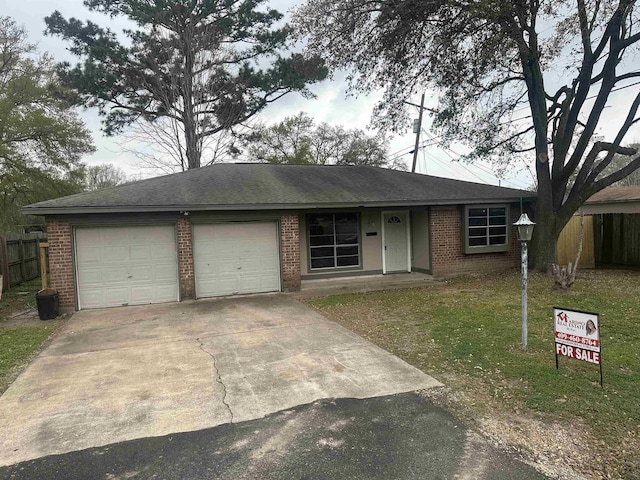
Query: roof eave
{"x": 274, "y": 206}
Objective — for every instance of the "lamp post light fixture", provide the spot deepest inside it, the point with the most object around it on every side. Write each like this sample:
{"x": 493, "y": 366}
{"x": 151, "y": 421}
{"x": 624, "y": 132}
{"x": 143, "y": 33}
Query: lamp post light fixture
{"x": 525, "y": 232}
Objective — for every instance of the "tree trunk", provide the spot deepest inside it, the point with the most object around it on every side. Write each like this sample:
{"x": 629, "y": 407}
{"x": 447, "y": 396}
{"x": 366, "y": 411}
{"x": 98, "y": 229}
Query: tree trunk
{"x": 189, "y": 116}
{"x": 545, "y": 238}
{"x": 191, "y": 139}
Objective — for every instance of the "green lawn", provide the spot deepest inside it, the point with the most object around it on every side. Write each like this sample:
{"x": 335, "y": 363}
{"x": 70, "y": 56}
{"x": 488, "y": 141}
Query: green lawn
{"x": 21, "y": 332}
{"x": 467, "y": 332}
{"x": 18, "y": 344}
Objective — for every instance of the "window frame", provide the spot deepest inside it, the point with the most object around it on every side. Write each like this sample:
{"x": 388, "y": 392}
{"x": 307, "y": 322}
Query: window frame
{"x": 469, "y": 249}
{"x": 335, "y": 245}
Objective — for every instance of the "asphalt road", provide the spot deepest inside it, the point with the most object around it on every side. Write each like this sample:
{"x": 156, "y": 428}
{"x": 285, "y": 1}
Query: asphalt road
{"x": 400, "y": 436}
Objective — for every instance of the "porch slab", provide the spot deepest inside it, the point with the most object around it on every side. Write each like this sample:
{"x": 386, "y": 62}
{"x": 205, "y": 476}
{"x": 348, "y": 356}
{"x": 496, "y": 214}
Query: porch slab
{"x": 363, "y": 283}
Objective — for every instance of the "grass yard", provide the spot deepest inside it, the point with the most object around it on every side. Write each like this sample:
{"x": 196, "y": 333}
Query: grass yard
{"x": 22, "y": 333}
{"x": 466, "y": 332}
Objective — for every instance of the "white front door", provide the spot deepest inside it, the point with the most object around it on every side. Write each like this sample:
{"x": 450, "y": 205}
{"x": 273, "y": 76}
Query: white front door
{"x": 395, "y": 242}
{"x": 236, "y": 258}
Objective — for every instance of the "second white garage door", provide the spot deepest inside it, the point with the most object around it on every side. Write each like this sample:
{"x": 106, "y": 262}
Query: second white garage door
{"x": 236, "y": 258}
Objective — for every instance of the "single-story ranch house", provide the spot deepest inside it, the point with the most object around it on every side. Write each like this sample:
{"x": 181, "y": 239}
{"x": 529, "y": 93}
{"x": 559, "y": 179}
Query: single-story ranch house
{"x": 248, "y": 228}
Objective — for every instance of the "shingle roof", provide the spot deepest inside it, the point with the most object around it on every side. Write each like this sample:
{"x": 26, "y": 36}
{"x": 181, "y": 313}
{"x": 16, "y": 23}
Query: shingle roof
{"x": 267, "y": 186}
{"x": 616, "y": 194}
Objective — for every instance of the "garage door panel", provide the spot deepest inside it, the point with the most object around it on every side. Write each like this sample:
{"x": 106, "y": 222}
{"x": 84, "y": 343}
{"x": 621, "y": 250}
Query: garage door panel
{"x": 126, "y": 265}
{"x": 227, "y": 266}
{"x": 113, "y": 236}
{"x": 90, "y": 255}
{"x": 88, "y": 236}
{"x": 230, "y": 258}
{"x": 112, "y": 275}
{"x": 90, "y": 276}
{"x": 141, "y": 273}
{"x": 114, "y": 296}
{"x": 115, "y": 254}
{"x": 92, "y": 298}
{"x": 142, "y": 294}
{"x": 165, "y": 273}
{"x": 162, "y": 252}
{"x": 140, "y": 253}
{"x": 207, "y": 269}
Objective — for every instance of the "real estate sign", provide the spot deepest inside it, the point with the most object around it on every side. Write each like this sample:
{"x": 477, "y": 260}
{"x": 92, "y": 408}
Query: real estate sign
{"x": 577, "y": 335}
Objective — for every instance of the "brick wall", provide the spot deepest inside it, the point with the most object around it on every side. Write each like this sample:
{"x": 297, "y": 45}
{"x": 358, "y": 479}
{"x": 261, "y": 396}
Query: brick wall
{"x": 447, "y": 255}
{"x": 290, "y": 252}
{"x": 185, "y": 259}
{"x": 61, "y": 262}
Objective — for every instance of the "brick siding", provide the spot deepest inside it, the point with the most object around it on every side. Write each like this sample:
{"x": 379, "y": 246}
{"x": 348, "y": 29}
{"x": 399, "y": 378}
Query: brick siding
{"x": 290, "y": 252}
{"x": 447, "y": 253}
{"x": 61, "y": 275}
{"x": 185, "y": 259}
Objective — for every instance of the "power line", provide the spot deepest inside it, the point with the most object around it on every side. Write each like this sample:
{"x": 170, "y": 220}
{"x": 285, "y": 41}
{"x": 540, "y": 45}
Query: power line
{"x": 456, "y": 159}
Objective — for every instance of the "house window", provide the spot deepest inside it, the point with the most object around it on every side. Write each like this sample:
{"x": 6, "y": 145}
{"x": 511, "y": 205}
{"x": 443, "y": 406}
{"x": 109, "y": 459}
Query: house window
{"x": 486, "y": 228}
{"x": 334, "y": 240}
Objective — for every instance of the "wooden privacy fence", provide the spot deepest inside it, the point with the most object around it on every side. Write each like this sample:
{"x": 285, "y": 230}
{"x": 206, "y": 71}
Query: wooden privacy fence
{"x": 569, "y": 240}
{"x": 618, "y": 239}
{"x": 19, "y": 258}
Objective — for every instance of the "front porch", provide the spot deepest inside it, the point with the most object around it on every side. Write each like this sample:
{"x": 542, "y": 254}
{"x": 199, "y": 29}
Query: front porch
{"x": 363, "y": 283}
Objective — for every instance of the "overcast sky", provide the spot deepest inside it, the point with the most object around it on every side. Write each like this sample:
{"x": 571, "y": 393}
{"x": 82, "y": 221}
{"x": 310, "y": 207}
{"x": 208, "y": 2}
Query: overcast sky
{"x": 331, "y": 105}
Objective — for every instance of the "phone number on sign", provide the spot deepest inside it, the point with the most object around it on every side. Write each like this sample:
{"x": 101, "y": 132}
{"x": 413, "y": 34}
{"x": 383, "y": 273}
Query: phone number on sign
{"x": 592, "y": 342}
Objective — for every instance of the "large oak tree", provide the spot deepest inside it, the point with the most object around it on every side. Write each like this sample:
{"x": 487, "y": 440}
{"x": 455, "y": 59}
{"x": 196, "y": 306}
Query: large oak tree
{"x": 513, "y": 78}
{"x": 193, "y": 67}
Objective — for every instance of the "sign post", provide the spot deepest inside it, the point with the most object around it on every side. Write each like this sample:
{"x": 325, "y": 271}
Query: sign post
{"x": 577, "y": 335}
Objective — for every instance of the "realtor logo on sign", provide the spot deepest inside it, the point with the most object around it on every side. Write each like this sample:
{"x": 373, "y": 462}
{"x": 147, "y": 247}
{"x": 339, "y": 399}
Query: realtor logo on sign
{"x": 577, "y": 334}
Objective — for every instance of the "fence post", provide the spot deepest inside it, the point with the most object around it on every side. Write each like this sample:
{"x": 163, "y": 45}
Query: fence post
{"x": 4, "y": 263}
{"x": 23, "y": 266}
{"x": 43, "y": 263}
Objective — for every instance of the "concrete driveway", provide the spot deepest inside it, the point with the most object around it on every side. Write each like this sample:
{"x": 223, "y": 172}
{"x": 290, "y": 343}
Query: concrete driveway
{"x": 134, "y": 372}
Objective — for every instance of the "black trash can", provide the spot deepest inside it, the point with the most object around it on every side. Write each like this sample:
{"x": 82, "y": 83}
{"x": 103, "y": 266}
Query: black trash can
{"x": 48, "y": 303}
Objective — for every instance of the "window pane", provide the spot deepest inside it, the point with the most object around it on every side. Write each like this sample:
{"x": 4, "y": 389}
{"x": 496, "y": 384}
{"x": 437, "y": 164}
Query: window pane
{"x": 315, "y": 240}
{"x": 320, "y": 224}
{"x": 340, "y": 251}
{"x": 477, "y": 232}
{"x": 346, "y": 217}
{"x": 346, "y": 239}
{"x": 347, "y": 227}
{"x": 347, "y": 261}
{"x": 477, "y": 242}
{"x": 477, "y": 222}
{"x": 498, "y": 240}
{"x": 498, "y": 231}
{"x": 321, "y": 252}
{"x": 498, "y": 221}
{"x": 326, "y": 231}
{"x": 321, "y": 229}
{"x": 477, "y": 212}
{"x": 497, "y": 212}
{"x": 322, "y": 262}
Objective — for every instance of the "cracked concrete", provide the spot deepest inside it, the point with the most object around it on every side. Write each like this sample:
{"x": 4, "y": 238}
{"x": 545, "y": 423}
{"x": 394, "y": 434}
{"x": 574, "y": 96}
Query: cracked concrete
{"x": 218, "y": 379}
{"x": 124, "y": 373}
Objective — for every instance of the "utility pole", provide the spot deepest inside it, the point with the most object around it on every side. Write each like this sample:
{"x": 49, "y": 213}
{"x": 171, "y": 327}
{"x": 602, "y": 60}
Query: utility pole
{"x": 415, "y": 149}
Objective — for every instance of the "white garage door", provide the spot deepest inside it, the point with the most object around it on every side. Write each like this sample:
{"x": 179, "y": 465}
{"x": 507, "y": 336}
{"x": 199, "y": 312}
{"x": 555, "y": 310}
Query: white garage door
{"x": 236, "y": 258}
{"x": 126, "y": 265}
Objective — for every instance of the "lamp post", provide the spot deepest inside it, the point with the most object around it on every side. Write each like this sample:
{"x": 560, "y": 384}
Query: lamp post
{"x": 525, "y": 232}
